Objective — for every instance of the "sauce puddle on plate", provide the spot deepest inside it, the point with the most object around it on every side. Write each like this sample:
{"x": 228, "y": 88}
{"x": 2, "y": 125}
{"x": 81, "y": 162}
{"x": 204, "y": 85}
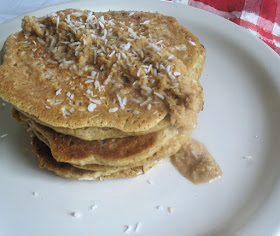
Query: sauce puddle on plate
{"x": 196, "y": 164}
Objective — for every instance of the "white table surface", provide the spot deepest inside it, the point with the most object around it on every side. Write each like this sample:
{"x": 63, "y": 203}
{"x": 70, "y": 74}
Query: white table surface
{"x": 12, "y": 8}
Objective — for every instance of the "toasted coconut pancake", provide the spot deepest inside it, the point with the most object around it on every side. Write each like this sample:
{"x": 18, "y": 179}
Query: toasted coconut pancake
{"x": 183, "y": 137}
{"x": 103, "y": 94}
{"x": 78, "y": 69}
{"x": 90, "y": 133}
{"x": 171, "y": 148}
{"x": 113, "y": 152}
{"x": 68, "y": 171}
{"x": 174, "y": 145}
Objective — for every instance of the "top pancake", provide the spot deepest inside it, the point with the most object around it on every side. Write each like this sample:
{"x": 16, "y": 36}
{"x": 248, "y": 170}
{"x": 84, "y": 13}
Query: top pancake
{"x": 122, "y": 70}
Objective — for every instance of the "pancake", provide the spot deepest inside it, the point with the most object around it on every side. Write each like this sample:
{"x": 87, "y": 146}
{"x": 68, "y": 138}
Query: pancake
{"x": 99, "y": 172}
{"x": 103, "y": 95}
{"x": 90, "y": 133}
{"x": 165, "y": 151}
{"x": 183, "y": 138}
{"x": 112, "y": 152}
{"x": 77, "y": 69}
{"x": 70, "y": 172}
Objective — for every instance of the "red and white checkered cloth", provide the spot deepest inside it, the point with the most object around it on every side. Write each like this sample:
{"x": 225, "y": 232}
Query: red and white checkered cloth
{"x": 260, "y": 17}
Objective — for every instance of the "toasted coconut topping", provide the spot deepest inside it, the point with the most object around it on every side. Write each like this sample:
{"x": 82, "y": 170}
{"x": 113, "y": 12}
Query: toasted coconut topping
{"x": 126, "y": 59}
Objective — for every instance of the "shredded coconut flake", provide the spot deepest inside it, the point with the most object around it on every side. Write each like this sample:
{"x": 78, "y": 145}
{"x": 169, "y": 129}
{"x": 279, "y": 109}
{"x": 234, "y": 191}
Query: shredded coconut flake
{"x": 120, "y": 102}
{"x": 170, "y": 57}
{"x": 154, "y": 47}
{"x": 56, "y": 103}
{"x": 171, "y": 76}
{"x": 146, "y": 59}
{"x": 137, "y": 227}
{"x": 138, "y": 72}
{"x": 192, "y": 43}
{"x": 159, "y": 95}
{"x": 89, "y": 81}
{"x": 168, "y": 68}
{"x": 145, "y": 22}
{"x": 87, "y": 178}
{"x": 75, "y": 44}
{"x": 127, "y": 229}
{"x": 159, "y": 207}
{"x": 112, "y": 53}
{"x": 155, "y": 72}
{"x": 76, "y": 214}
{"x": 124, "y": 100}
{"x": 101, "y": 24}
{"x": 95, "y": 56}
{"x": 135, "y": 100}
{"x": 114, "y": 109}
{"x": 148, "y": 89}
{"x": 170, "y": 209}
{"x": 149, "y": 68}
{"x": 52, "y": 61}
{"x": 95, "y": 101}
{"x": 126, "y": 46}
{"x": 247, "y": 157}
{"x": 136, "y": 112}
{"x": 124, "y": 56}
{"x": 58, "y": 92}
{"x": 91, "y": 107}
{"x": 57, "y": 21}
{"x": 96, "y": 84}
{"x": 89, "y": 92}
{"x": 93, "y": 207}
{"x": 159, "y": 42}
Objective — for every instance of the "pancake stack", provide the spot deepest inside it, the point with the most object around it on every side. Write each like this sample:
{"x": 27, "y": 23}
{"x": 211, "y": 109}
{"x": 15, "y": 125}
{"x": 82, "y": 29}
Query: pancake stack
{"x": 103, "y": 95}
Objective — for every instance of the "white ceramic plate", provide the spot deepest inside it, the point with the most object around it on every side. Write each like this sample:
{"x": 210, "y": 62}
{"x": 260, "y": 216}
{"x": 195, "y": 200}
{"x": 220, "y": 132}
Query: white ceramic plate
{"x": 241, "y": 118}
